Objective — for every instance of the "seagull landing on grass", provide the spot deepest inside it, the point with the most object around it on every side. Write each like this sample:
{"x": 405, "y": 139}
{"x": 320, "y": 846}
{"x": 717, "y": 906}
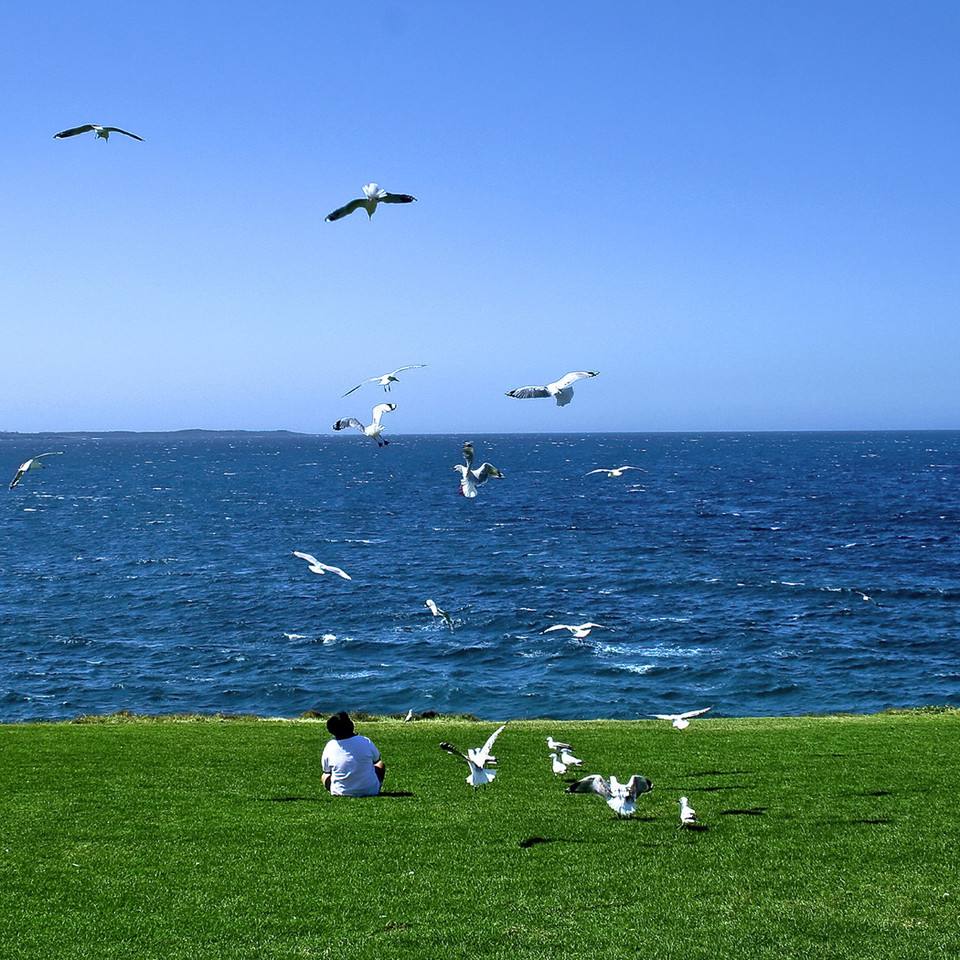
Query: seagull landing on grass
{"x": 579, "y": 631}
{"x": 477, "y": 758}
{"x": 315, "y": 566}
{"x": 613, "y": 471}
{"x": 561, "y": 390}
{"x": 103, "y": 133}
{"x": 372, "y": 430}
{"x": 681, "y": 720}
{"x": 470, "y": 479}
{"x": 373, "y": 194}
{"x": 34, "y": 463}
{"x": 437, "y": 612}
{"x": 688, "y": 816}
{"x": 385, "y": 379}
{"x": 621, "y": 797}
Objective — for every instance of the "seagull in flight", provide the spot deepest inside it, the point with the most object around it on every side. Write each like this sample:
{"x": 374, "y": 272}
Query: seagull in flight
{"x": 102, "y": 133}
{"x": 471, "y": 478}
{"x": 688, "y": 816}
{"x": 620, "y": 797}
{"x": 437, "y": 612}
{"x": 315, "y": 566}
{"x": 561, "y": 390}
{"x": 373, "y": 194}
{"x": 578, "y": 632}
{"x": 372, "y": 430}
{"x": 34, "y": 463}
{"x": 477, "y": 758}
{"x": 614, "y": 471}
{"x": 681, "y": 720}
{"x": 385, "y": 379}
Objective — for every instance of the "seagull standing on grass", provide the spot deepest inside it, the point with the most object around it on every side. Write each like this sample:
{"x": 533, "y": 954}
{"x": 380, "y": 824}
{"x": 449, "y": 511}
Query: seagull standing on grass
{"x": 563, "y": 759}
{"x": 34, "y": 463}
{"x": 470, "y": 479}
{"x": 373, "y": 429}
{"x": 614, "y": 471}
{"x": 578, "y": 632}
{"x": 477, "y": 758}
{"x": 688, "y": 816}
{"x": 373, "y": 194}
{"x": 681, "y": 720}
{"x": 102, "y": 133}
{"x": 385, "y": 379}
{"x": 437, "y": 612}
{"x": 409, "y": 716}
{"x": 620, "y": 797}
{"x": 317, "y": 567}
{"x": 561, "y": 390}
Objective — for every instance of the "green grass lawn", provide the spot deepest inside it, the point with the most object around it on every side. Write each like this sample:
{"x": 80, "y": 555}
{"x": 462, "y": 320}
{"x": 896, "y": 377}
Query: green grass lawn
{"x": 827, "y": 837}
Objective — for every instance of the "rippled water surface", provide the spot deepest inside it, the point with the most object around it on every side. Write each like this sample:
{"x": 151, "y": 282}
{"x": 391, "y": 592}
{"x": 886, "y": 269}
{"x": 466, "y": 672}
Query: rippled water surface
{"x": 154, "y": 573}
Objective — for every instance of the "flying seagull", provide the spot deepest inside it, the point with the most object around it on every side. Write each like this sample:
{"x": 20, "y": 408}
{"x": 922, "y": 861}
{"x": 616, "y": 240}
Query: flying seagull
{"x": 34, "y": 463}
{"x": 437, "y": 612}
{"x": 620, "y": 797}
{"x": 372, "y": 430}
{"x": 681, "y": 720}
{"x": 561, "y": 389}
{"x": 317, "y": 567}
{"x": 373, "y": 194}
{"x": 385, "y": 379}
{"x": 477, "y": 758}
{"x": 688, "y": 816}
{"x": 471, "y": 478}
{"x": 614, "y": 471}
{"x": 103, "y": 133}
{"x": 578, "y": 632}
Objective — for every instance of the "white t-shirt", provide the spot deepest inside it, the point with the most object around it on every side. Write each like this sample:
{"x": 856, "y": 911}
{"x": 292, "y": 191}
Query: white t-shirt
{"x": 351, "y": 763}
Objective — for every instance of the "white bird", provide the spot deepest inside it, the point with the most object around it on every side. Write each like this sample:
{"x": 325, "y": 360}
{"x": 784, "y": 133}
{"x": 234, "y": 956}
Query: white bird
{"x": 385, "y": 379}
{"x": 561, "y": 390}
{"x": 681, "y": 720}
{"x": 688, "y": 816}
{"x": 373, "y": 194}
{"x": 102, "y": 133}
{"x": 614, "y": 471}
{"x": 471, "y": 478}
{"x": 620, "y": 797}
{"x": 559, "y": 767}
{"x": 34, "y": 463}
{"x": 477, "y": 758}
{"x": 578, "y": 632}
{"x": 569, "y": 759}
{"x": 315, "y": 566}
{"x": 409, "y": 716}
{"x": 437, "y": 612}
{"x": 557, "y": 745}
{"x": 373, "y": 429}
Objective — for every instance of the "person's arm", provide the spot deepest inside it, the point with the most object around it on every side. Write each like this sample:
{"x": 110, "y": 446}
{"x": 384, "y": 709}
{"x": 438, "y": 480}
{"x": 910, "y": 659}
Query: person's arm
{"x": 380, "y": 769}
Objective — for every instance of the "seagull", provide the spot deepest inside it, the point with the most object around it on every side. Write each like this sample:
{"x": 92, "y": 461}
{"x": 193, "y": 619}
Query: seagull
{"x": 470, "y": 479}
{"x": 437, "y": 612}
{"x": 102, "y": 133}
{"x": 688, "y": 816}
{"x": 614, "y": 471}
{"x": 477, "y": 758}
{"x": 559, "y": 767}
{"x": 620, "y": 797}
{"x": 557, "y": 745}
{"x": 372, "y": 430}
{"x": 34, "y": 463}
{"x": 561, "y": 389}
{"x": 373, "y": 194}
{"x": 317, "y": 567}
{"x": 579, "y": 632}
{"x": 681, "y": 720}
{"x": 385, "y": 379}
{"x": 409, "y": 716}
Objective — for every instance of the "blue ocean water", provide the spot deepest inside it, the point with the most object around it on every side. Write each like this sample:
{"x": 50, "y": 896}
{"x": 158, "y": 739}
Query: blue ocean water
{"x": 154, "y": 573}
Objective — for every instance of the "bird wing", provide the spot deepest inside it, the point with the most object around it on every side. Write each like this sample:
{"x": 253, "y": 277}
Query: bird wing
{"x": 628, "y": 467}
{"x": 569, "y": 379}
{"x": 336, "y": 570}
{"x": 666, "y": 716}
{"x": 485, "y": 471}
{"x": 345, "y": 210}
{"x": 637, "y": 786}
{"x": 73, "y": 131}
{"x": 561, "y": 746}
{"x": 312, "y": 560}
{"x": 433, "y": 608}
{"x": 126, "y": 133}
{"x": 525, "y": 393}
{"x": 397, "y": 198}
{"x": 598, "y": 470}
{"x": 52, "y": 453}
{"x": 558, "y": 626}
{"x": 409, "y": 366}
{"x": 483, "y": 754}
{"x": 18, "y": 476}
{"x": 468, "y": 453}
{"x": 592, "y": 626}
{"x": 592, "y": 784}
{"x": 694, "y": 713}
{"x": 454, "y": 751}
{"x": 380, "y": 409}
{"x": 359, "y": 385}
{"x": 348, "y": 422}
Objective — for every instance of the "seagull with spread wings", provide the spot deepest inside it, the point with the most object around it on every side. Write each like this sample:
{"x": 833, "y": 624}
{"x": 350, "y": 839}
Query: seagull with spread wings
{"x": 373, "y": 194}
{"x": 561, "y": 390}
{"x": 470, "y": 477}
{"x": 614, "y": 471}
{"x": 621, "y": 797}
{"x": 385, "y": 379}
{"x": 579, "y": 631}
{"x": 477, "y": 758}
{"x": 437, "y": 612}
{"x": 315, "y": 566}
{"x": 373, "y": 429}
{"x": 102, "y": 133}
{"x": 34, "y": 463}
{"x": 681, "y": 720}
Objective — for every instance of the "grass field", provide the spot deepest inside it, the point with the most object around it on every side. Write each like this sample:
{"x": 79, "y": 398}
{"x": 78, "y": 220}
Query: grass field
{"x": 827, "y": 837}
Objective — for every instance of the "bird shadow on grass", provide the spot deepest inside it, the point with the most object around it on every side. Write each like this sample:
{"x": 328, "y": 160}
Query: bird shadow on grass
{"x": 718, "y": 773}
{"x": 873, "y": 793}
{"x": 857, "y": 821}
{"x": 744, "y": 812}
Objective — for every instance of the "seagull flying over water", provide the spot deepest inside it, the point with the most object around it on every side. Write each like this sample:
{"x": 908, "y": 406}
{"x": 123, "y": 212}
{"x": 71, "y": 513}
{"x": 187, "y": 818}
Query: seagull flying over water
{"x": 614, "y": 471}
{"x": 620, "y": 797}
{"x": 437, "y": 612}
{"x": 578, "y": 632}
{"x": 477, "y": 758}
{"x": 688, "y": 816}
{"x": 681, "y": 720}
{"x": 372, "y": 430}
{"x": 561, "y": 390}
{"x": 103, "y": 133}
{"x": 385, "y": 379}
{"x": 317, "y": 567}
{"x": 34, "y": 463}
{"x": 373, "y": 194}
{"x": 470, "y": 478}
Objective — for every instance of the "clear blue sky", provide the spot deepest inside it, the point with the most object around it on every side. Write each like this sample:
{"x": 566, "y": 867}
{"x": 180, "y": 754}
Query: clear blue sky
{"x": 745, "y": 216}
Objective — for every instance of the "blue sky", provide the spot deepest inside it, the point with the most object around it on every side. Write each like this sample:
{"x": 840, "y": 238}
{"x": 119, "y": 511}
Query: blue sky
{"x": 744, "y": 216}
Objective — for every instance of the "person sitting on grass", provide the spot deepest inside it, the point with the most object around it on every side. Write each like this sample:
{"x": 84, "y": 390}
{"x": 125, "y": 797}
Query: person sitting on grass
{"x": 351, "y": 764}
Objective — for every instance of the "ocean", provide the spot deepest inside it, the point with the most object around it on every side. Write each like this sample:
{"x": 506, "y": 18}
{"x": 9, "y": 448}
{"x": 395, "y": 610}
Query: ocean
{"x": 154, "y": 573}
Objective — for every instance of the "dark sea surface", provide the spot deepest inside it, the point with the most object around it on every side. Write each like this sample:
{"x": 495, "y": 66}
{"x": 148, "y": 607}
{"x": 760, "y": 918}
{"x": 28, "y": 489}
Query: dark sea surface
{"x": 154, "y": 573}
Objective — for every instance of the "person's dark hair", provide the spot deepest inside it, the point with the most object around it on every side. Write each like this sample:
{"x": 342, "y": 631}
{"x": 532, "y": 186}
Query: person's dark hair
{"x": 340, "y": 725}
